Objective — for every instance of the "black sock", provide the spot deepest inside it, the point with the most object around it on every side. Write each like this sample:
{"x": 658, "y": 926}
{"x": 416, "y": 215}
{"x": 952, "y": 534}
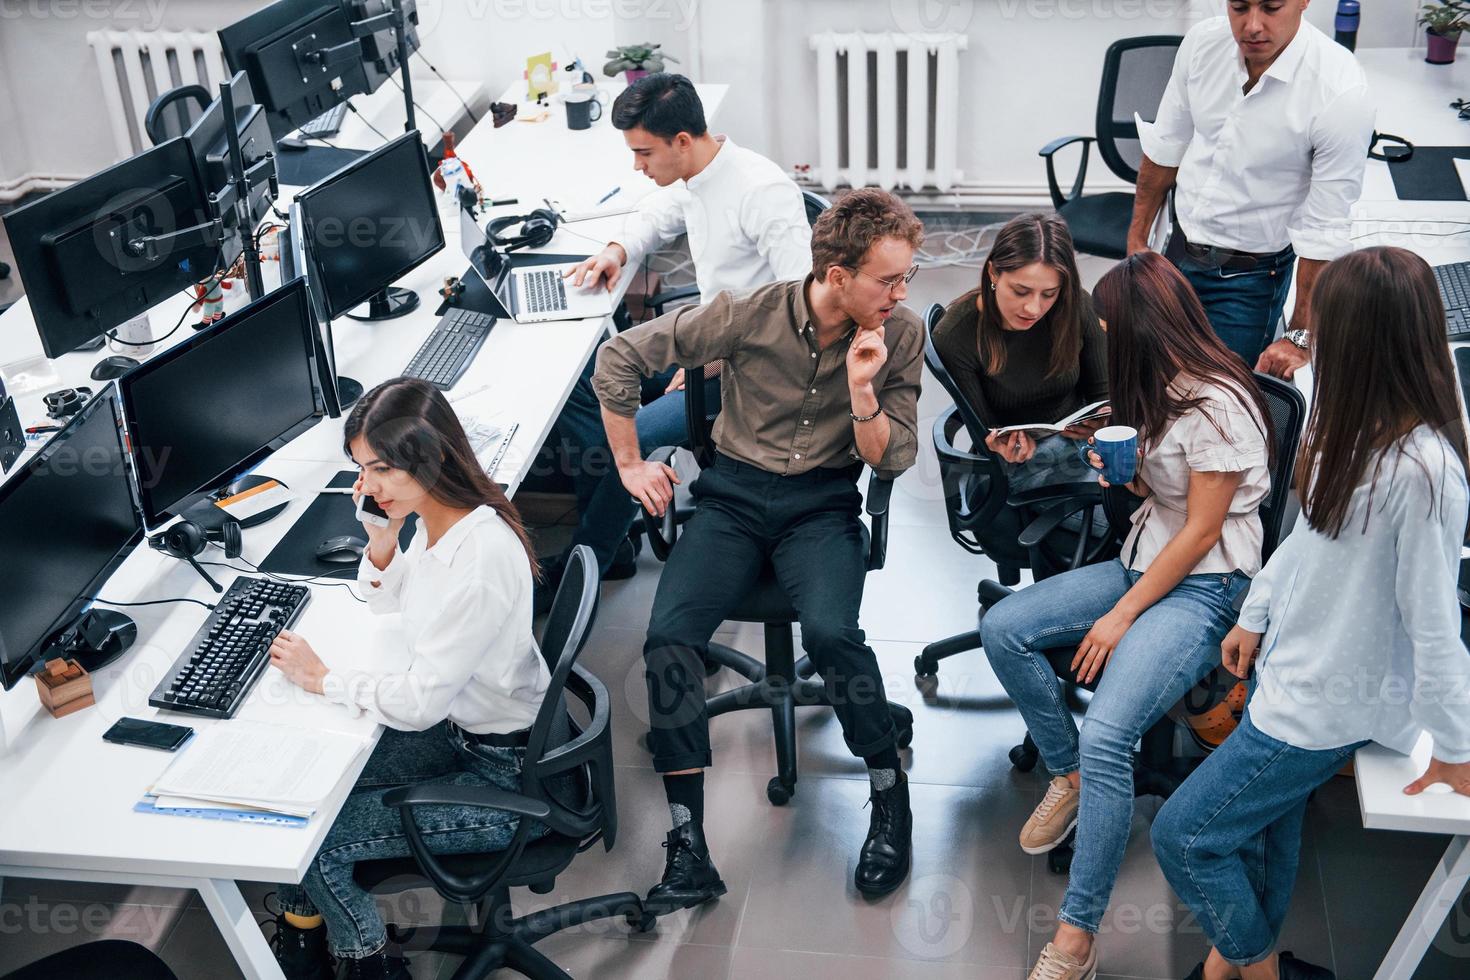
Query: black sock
{"x": 686, "y": 798}
{"x": 883, "y": 768}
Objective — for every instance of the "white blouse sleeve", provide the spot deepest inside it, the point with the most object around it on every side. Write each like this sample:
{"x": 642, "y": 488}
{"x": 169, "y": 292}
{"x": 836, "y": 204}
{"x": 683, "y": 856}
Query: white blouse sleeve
{"x": 382, "y": 587}
{"x": 1255, "y": 613}
{"x": 1222, "y": 437}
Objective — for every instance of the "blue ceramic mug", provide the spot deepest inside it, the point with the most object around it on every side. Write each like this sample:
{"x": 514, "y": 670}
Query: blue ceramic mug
{"x": 1117, "y": 446}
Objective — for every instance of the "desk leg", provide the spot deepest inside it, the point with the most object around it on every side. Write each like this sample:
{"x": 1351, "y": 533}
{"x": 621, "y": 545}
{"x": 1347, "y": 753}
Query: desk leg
{"x": 242, "y": 933}
{"x": 1439, "y": 896}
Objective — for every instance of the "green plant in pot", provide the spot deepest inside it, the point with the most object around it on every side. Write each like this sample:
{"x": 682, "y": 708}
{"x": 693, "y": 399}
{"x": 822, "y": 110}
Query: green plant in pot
{"x": 1443, "y": 23}
{"x": 636, "y": 60}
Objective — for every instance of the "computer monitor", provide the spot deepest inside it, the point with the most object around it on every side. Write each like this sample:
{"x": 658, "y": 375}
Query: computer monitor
{"x": 338, "y": 391}
{"x": 380, "y": 48}
{"x": 370, "y": 223}
{"x": 91, "y": 257}
{"x": 68, "y": 519}
{"x": 209, "y": 142}
{"x": 302, "y": 58}
{"x": 209, "y": 409}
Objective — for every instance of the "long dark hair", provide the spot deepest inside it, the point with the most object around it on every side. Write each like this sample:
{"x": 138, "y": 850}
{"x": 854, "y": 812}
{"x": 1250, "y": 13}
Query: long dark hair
{"x": 1381, "y": 369}
{"x": 410, "y": 426}
{"x": 1156, "y": 330}
{"x": 1025, "y": 239}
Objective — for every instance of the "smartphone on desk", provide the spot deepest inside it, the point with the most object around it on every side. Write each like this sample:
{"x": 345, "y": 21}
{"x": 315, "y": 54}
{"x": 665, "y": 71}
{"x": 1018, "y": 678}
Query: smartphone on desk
{"x": 149, "y": 734}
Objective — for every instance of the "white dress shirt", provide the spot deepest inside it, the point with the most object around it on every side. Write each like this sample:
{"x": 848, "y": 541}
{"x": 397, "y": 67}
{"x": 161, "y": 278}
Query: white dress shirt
{"x": 745, "y": 220}
{"x": 1362, "y": 632}
{"x": 466, "y": 605}
{"x": 1280, "y": 165}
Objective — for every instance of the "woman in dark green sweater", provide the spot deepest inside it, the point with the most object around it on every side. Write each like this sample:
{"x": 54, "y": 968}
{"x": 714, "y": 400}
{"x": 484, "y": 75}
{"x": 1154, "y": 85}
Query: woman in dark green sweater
{"x": 1026, "y": 346}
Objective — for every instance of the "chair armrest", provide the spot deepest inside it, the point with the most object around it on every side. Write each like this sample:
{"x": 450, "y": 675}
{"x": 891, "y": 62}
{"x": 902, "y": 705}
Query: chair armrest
{"x": 1037, "y": 531}
{"x": 880, "y": 489}
{"x": 944, "y": 446}
{"x": 658, "y": 301}
{"x": 1058, "y": 491}
{"x": 662, "y": 531}
{"x": 1049, "y": 150}
{"x": 489, "y": 797}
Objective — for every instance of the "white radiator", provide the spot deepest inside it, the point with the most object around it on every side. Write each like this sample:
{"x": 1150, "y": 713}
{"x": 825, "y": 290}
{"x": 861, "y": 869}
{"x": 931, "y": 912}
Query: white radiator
{"x": 138, "y": 66}
{"x": 887, "y": 109}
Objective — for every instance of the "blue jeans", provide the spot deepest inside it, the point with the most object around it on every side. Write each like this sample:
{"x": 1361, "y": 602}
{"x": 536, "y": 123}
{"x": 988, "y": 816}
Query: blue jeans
{"x": 1164, "y": 653}
{"x": 1229, "y": 838}
{"x": 606, "y": 511}
{"x": 1243, "y": 306}
{"x": 366, "y": 830}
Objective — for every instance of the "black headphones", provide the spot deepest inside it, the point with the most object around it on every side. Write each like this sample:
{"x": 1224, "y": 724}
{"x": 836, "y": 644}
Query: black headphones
{"x": 1395, "y": 149}
{"x": 186, "y": 539}
{"x": 537, "y": 229}
{"x": 66, "y": 402}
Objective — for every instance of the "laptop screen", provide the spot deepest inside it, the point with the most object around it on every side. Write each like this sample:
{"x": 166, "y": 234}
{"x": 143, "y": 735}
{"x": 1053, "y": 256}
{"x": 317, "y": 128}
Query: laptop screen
{"x": 484, "y": 258}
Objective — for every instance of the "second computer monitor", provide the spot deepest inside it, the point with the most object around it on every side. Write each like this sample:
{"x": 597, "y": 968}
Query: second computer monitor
{"x": 212, "y": 407}
{"x": 208, "y": 139}
{"x": 370, "y": 223}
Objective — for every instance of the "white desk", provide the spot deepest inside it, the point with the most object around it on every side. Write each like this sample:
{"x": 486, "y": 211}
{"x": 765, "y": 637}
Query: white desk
{"x": 436, "y": 106}
{"x": 70, "y": 795}
{"x": 1381, "y": 777}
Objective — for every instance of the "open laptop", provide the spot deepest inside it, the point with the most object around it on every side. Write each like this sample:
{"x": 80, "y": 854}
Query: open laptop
{"x": 531, "y": 292}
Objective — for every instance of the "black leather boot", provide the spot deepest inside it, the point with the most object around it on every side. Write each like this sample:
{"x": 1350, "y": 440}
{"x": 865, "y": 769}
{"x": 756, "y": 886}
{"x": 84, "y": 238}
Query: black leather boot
{"x": 379, "y": 966}
{"x": 302, "y": 953}
{"x": 1288, "y": 967}
{"x": 883, "y": 863}
{"x": 690, "y": 877}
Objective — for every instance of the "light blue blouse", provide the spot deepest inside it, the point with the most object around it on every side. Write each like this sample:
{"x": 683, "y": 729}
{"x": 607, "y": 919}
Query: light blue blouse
{"x": 1362, "y": 632}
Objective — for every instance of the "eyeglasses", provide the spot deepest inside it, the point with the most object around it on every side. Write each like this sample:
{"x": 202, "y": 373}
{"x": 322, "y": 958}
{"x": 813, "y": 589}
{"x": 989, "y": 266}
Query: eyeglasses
{"x": 907, "y": 277}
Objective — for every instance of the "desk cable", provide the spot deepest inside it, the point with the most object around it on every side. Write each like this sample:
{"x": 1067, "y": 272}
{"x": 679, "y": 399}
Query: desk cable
{"x": 290, "y": 580}
{"x": 421, "y": 108}
{"x": 455, "y": 92}
{"x": 151, "y": 602}
{"x": 353, "y": 109}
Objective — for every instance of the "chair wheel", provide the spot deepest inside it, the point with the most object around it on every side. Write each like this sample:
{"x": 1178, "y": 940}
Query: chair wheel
{"x": 645, "y": 744}
{"x": 902, "y": 716}
{"x": 642, "y": 921}
{"x": 905, "y": 736}
{"x": 778, "y": 792}
{"x": 924, "y": 667}
{"x": 1059, "y": 860}
{"x": 1023, "y": 758}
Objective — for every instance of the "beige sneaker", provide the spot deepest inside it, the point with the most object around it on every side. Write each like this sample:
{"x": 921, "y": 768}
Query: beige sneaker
{"x": 1053, "y": 964}
{"x": 1053, "y": 818}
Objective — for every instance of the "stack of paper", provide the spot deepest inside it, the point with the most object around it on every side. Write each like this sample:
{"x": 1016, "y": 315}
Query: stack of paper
{"x": 252, "y": 766}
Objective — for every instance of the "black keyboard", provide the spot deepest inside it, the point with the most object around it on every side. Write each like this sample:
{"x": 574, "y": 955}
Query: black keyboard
{"x": 1454, "y": 289}
{"x": 228, "y": 653}
{"x": 545, "y": 291}
{"x": 448, "y": 351}
{"x": 328, "y": 123}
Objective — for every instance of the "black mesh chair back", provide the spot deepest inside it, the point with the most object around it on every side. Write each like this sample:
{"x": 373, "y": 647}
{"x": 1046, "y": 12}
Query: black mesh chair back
{"x": 173, "y": 112}
{"x": 815, "y": 205}
{"x": 1288, "y": 419}
{"x": 1135, "y": 72}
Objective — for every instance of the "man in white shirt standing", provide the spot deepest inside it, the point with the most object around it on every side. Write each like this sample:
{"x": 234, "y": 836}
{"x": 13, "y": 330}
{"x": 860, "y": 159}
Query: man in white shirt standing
{"x": 1263, "y": 132}
{"x": 747, "y": 226}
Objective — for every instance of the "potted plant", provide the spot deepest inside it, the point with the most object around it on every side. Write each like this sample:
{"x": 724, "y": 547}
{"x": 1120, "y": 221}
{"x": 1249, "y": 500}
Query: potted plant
{"x": 636, "y": 60}
{"x": 1443, "y": 23}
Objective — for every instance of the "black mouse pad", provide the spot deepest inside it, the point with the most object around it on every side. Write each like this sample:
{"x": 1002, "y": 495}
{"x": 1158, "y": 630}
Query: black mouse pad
{"x": 330, "y": 515}
{"x": 1430, "y": 174}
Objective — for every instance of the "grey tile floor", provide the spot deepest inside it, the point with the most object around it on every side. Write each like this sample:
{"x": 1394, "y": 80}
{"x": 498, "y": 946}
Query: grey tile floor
{"x": 974, "y": 905}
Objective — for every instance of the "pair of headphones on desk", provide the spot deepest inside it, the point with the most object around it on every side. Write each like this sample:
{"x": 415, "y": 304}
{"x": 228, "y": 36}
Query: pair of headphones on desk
{"x": 186, "y": 539}
{"x": 537, "y": 229}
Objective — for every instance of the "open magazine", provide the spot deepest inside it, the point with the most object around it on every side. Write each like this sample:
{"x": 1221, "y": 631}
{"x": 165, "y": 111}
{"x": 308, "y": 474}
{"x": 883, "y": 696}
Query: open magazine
{"x": 1087, "y": 413}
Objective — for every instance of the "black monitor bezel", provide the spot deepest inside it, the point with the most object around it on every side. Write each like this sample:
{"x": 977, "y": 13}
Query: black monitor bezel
{"x": 155, "y": 513}
{"x": 12, "y": 672}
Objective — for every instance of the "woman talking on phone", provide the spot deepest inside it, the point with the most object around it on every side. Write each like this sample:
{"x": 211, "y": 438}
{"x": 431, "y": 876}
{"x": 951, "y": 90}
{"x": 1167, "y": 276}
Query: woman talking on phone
{"x": 1147, "y": 625}
{"x": 461, "y": 709}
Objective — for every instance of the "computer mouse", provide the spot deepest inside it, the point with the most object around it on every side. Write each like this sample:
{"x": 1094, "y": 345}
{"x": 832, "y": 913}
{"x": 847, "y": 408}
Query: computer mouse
{"x": 291, "y": 145}
{"x": 112, "y": 367}
{"x": 342, "y": 550}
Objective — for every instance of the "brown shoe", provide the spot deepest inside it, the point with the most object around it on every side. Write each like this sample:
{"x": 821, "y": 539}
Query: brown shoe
{"x": 1053, "y": 818}
{"x": 1053, "y": 964}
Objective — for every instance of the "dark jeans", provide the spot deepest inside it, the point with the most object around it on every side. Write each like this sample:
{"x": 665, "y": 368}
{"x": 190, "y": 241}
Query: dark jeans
{"x": 1230, "y": 838}
{"x": 1244, "y": 306}
{"x": 366, "y": 830}
{"x": 606, "y": 511}
{"x": 807, "y": 527}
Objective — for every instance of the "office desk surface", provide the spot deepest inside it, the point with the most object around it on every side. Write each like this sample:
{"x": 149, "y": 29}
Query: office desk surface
{"x": 1413, "y": 100}
{"x": 1382, "y": 775}
{"x": 437, "y": 104}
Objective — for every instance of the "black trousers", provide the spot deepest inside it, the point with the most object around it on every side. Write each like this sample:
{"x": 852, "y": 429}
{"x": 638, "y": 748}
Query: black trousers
{"x": 807, "y": 527}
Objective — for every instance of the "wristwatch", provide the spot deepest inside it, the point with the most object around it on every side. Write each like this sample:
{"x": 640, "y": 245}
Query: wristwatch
{"x": 1298, "y": 338}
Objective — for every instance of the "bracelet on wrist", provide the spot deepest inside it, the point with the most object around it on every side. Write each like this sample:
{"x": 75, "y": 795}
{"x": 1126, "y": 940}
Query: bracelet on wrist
{"x": 866, "y": 418}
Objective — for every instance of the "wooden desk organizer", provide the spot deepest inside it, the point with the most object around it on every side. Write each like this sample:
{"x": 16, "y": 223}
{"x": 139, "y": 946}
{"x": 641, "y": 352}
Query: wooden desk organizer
{"x": 64, "y": 687}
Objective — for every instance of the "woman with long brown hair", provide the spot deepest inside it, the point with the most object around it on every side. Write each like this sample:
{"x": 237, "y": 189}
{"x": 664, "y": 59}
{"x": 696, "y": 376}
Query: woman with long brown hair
{"x": 1155, "y": 615}
{"x": 1357, "y": 606}
{"x": 461, "y": 710}
{"x": 1026, "y": 346}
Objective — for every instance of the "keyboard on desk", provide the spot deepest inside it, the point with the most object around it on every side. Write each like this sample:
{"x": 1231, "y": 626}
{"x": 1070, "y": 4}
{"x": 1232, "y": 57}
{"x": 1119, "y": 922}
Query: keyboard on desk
{"x": 544, "y": 291}
{"x": 1454, "y": 289}
{"x": 328, "y": 123}
{"x": 448, "y": 351}
{"x": 222, "y": 662}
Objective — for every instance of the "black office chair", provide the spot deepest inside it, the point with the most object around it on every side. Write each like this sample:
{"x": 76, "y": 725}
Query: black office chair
{"x": 105, "y": 959}
{"x": 1135, "y": 73}
{"x": 173, "y": 112}
{"x": 1155, "y": 770}
{"x": 987, "y": 518}
{"x": 783, "y": 683}
{"x": 682, "y": 295}
{"x": 560, "y": 750}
